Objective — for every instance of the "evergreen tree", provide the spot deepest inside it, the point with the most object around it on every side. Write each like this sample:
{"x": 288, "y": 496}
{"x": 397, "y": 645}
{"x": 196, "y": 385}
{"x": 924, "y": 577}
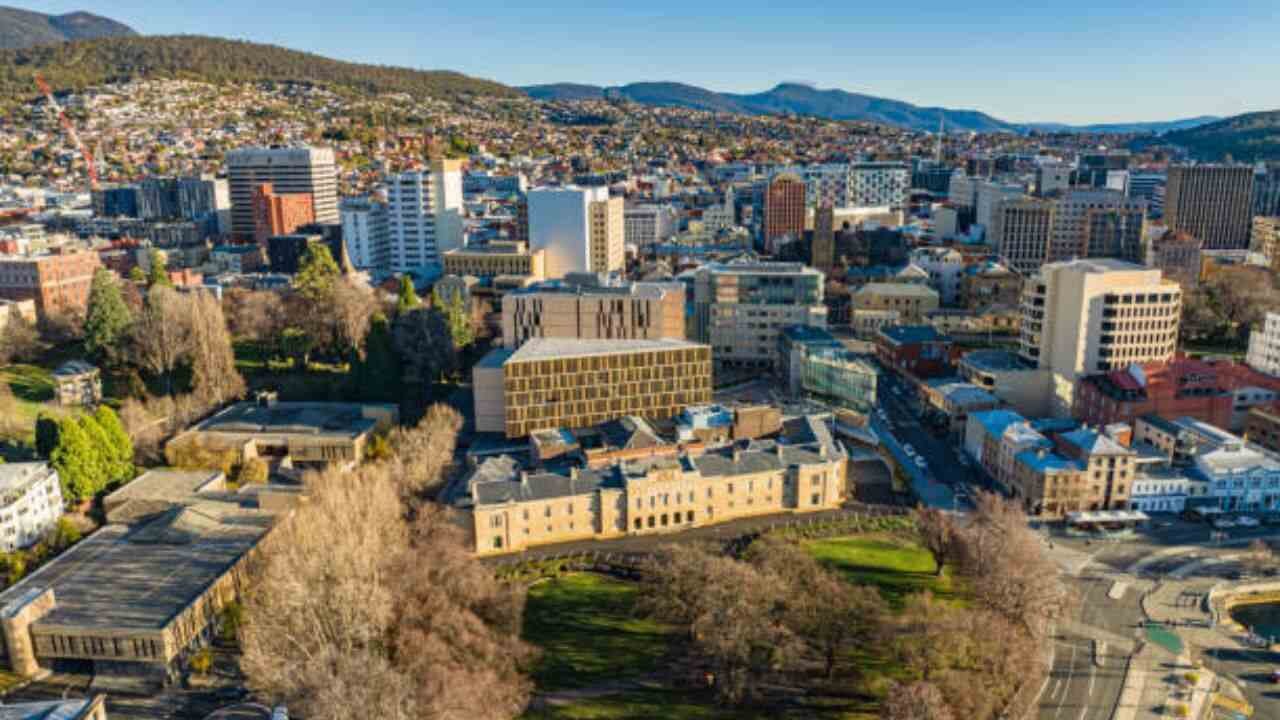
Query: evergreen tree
{"x": 136, "y": 275}
{"x": 119, "y": 447}
{"x": 46, "y": 435}
{"x": 107, "y": 318}
{"x": 408, "y": 299}
{"x": 378, "y": 375}
{"x": 317, "y": 273}
{"x": 78, "y": 461}
{"x": 158, "y": 275}
{"x": 459, "y": 321}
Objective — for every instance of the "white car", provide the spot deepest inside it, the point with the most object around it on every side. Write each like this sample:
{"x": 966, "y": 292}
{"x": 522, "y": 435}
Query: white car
{"x": 921, "y": 462}
{"x": 1246, "y": 521}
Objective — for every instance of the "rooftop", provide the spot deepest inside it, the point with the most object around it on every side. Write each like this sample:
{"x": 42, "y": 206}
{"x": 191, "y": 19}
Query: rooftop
{"x": 71, "y": 368}
{"x": 296, "y": 418}
{"x": 898, "y": 288}
{"x": 808, "y": 334}
{"x": 49, "y": 709}
{"x": 1093, "y": 442}
{"x": 1041, "y": 460}
{"x": 997, "y": 421}
{"x": 996, "y": 361}
{"x": 167, "y": 485}
{"x": 906, "y": 334}
{"x": 555, "y": 348}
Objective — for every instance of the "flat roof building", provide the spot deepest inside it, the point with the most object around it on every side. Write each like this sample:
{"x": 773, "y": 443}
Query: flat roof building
{"x": 309, "y": 170}
{"x": 740, "y": 307}
{"x": 592, "y": 307}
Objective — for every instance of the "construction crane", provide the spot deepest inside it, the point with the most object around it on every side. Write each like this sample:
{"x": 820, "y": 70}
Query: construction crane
{"x": 70, "y": 130}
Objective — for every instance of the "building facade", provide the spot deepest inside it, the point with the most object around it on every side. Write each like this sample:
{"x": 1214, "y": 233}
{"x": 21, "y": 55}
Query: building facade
{"x": 425, "y": 216}
{"x": 366, "y": 230}
{"x": 739, "y": 308}
{"x": 1211, "y": 202}
{"x": 1264, "y": 346}
{"x": 784, "y": 209}
{"x": 911, "y": 301}
{"x": 495, "y": 259}
{"x": 1265, "y": 239}
{"x": 279, "y": 214}
{"x": 648, "y": 224}
{"x": 561, "y": 224}
{"x": 556, "y": 383}
{"x": 58, "y": 283}
{"x": 309, "y": 170}
{"x": 608, "y": 242}
{"x": 1020, "y": 230}
{"x": 610, "y": 311}
{"x": 30, "y": 503}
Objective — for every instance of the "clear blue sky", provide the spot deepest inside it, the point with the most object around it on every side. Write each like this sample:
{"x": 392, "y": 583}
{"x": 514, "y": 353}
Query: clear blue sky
{"x": 1081, "y": 61}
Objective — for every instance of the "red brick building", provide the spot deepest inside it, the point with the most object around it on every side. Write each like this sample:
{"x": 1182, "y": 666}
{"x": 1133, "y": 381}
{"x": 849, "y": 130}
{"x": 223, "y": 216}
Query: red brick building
{"x": 1220, "y": 393}
{"x": 784, "y": 205}
{"x": 916, "y": 350}
{"x": 279, "y": 214}
{"x": 58, "y": 282}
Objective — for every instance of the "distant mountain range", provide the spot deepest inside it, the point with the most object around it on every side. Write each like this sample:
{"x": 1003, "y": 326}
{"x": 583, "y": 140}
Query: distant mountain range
{"x": 25, "y": 28}
{"x": 802, "y": 99}
{"x": 1245, "y": 138}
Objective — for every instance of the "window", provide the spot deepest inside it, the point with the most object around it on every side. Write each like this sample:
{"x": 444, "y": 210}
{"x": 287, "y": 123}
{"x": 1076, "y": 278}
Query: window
{"x": 813, "y": 499}
{"x": 497, "y": 542}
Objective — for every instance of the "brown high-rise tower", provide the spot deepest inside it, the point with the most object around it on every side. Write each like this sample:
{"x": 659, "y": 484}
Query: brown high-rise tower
{"x": 823, "y": 249}
{"x": 783, "y": 209}
{"x": 1211, "y": 202}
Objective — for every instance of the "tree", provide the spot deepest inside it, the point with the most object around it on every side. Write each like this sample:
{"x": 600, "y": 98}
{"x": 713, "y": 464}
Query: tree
{"x": 256, "y": 315}
{"x": 19, "y": 340}
{"x": 46, "y": 435}
{"x": 424, "y": 343}
{"x": 107, "y": 319}
{"x": 422, "y": 454}
{"x": 79, "y": 461}
{"x": 376, "y": 376}
{"x": 938, "y": 534}
{"x": 213, "y": 363}
{"x": 253, "y": 471}
{"x": 162, "y": 337}
{"x": 157, "y": 270}
{"x": 915, "y": 701}
{"x": 351, "y": 311}
{"x": 408, "y": 298}
{"x": 136, "y": 275}
{"x": 354, "y": 613}
{"x": 317, "y": 273}
{"x": 117, "y": 450}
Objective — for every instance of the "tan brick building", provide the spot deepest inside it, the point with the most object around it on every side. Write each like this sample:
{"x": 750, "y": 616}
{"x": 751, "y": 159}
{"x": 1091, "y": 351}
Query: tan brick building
{"x": 553, "y": 383}
{"x": 58, "y": 283}
{"x": 911, "y": 302}
{"x": 594, "y": 311}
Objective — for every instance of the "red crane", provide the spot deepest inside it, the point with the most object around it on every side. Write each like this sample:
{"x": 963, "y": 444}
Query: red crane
{"x": 70, "y": 130}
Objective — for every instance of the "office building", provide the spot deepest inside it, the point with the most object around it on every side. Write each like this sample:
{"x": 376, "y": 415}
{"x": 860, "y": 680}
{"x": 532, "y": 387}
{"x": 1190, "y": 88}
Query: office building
{"x": 30, "y": 503}
{"x": 580, "y": 230}
{"x": 878, "y": 184}
{"x": 279, "y": 214}
{"x": 1266, "y": 189}
{"x": 739, "y": 308}
{"x": 496, "y": 259}
{"x": 653, "y": 484}
{"x": 649, "y": 224}
{"x": 555, "y": 383}
{"x": 989, "y": 195}
{"x": 1096, "y": 224}
{"x": 1265, "y": 239}
{"x": 1093, "y": 169}
{"x": 111, "y": 202}
{"x": 1020, "y": 232}
{"x": 1087, "y": 316}
{"x": 1052, "y": 177}
{"x": 594, "y": 310}
{"x": 784, "y": 209}
{"x": 608, "y": 241}
{"x": 307, "y": 170}
{"x": 794, "y": 344}
{"x": 1211, "y": 202}
{"x": 366, "y": 229}
{"x": 58, "y": 283}
{"x": 1264, "y": 346}
{"x": 424, "y": 210}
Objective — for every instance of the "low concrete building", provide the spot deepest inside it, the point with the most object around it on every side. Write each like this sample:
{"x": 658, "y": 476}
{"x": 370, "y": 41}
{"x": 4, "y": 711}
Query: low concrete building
{"x": 76, "y": 382}
{"x": 1026, "y": 388}
{"x": 954, "y": 400}
{"x": 794, "y": 344}
{"x": 30, "y": 503}
{"x": 911, "y": 301}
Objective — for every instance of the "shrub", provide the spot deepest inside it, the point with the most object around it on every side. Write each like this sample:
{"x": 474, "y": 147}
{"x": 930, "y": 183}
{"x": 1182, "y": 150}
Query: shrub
{"x": 202, "y": 661}
{"x": 253, "y": 471}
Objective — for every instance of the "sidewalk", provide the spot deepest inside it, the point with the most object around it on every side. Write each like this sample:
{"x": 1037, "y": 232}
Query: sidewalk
{"x": 1155, "y": 684}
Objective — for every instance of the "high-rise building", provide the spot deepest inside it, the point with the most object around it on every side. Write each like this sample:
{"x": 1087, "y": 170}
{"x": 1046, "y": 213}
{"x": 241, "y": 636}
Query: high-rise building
{"x": 1212, "y": 202}
{"x": 784, "y": 208}
{"x": 1087, "y": 316}
{"x": 200, "y": 197}
{"x": 425, "y": 214}
{"x": 608, "y": 236}
{"x": 1020, "y": 230}
{"x": 309, "y": 170}
{"x": 367, "y": 233}
{"x": 1100, "y": 223}
{"x": 989, "y": 194}
{"x": 567, "y": 225}
{"x": 159, "y": 198}
{"x": 1266, "y": 190}
{"x": 1052, "y": 177}
{"x": 648, "y": 224}
{"x": 823, "y": 249}
{"x": 739, "y": 308}
{"x": 279, "y": 213}
{"x": 112, "y": 202}
{"x": 594, "y": 310}
{"x": 1092, "y": 169}
{"x": 879, "y": 184}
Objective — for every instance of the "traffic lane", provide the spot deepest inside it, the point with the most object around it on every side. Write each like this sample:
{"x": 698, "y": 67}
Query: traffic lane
{"x": 943, "y": 463}
{"x": 1077, "y": 688}
{"x": 930, "y": 491}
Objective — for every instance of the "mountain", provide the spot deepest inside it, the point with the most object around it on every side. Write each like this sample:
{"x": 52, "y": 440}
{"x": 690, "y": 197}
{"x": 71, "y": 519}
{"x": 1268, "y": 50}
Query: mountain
{"x": 24, "y": 28}
{"x": 1246, "y": 138}
{"x": 831, "y": 104}
{"x": 76, "y": 65}
{"x": 785, "y": 98}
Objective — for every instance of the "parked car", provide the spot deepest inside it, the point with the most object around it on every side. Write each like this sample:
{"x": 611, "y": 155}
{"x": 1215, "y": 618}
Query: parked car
{"x": 910, "y": 451}
{"x": 921, "y": 462}
{"x": 1224, "y": 523}
{"x": 1247, "y": 521}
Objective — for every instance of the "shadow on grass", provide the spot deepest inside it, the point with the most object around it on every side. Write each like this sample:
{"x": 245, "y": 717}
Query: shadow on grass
{"x": 29, "y": 383}
{"x": 896, "y": 567}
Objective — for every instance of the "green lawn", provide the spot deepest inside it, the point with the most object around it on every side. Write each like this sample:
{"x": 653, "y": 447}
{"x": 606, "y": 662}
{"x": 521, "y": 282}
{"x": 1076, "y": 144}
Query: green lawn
{"x": 894, "y": 565}
{"x": 587, "y": 628}
{"x": 32, "y": 387}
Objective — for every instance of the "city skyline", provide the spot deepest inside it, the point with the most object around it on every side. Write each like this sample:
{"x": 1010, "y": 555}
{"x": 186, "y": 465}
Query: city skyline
{"x": 1101, "y": 63}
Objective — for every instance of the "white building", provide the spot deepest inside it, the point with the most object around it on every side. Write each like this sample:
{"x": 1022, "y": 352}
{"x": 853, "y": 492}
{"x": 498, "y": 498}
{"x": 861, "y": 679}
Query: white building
{"x": 1264, "y": 346}
{"x": 425, "y": 215}
{"x": 579, "y": 229}
{"x": 648, "y": 224}
{"x": 367, "y": 233}
{"x": 30, "y": 503}
{"x": 879, "y": 184}
{"x": 310, "y": 170}
{"x": 988, "y": 193}
{"x": 945, "y": 267}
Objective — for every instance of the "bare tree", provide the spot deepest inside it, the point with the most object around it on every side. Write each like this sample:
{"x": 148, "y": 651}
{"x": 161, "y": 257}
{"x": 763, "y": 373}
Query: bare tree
{"x": 424, "y": 453}
{"x": 213, "y": 361}
{"x": 256, "y": 315}
{"x": 19, "y": 339}
{"x": 938, "y": 535}
{"x": 353, "y": 307}
{"x": 161, "y": 336}
{"x": 915, "y": 701}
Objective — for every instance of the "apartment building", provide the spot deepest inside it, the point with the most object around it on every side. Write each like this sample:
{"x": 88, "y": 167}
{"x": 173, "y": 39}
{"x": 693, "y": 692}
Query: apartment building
{"x": 1264, "y": 346}
{"x": 784, "y": 208}
{"x": 594, "y": 308}
{"x": 552, "y": 383}
{"x": 1020, "y": 230}
{"x": 878, "y": 184}
{"x": 366, "y": 230}
{"x": 279, "y": 213}
{"x": 648, "y": 224}
{"x": 1265, "y": 239}
{"x": 496, "y": 259}
{"x": 425, "y": 215}
{"x": 1211, "y": 202}
{"x": 739, "y": 308}
{"x": 309, "y": 170}
{"x": 30, "y": 503}
{"x": 1087, "y": 316}
{"x": 669, "y": 487}
{"x": 608, "y": 236}
{"x": 57, "y": 282}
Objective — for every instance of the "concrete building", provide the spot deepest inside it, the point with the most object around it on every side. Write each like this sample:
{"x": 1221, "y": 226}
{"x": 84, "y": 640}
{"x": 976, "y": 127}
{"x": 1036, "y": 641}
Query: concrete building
{"x": 649, "y": 224}
{"x": 784, "y": 209}
{"x": 840, "y": 377}
{"x": 58, "y": 283}
{"x": 655, "y": 486}
{"x": 989, "y": 284}
{"x": 496, "y": 259}
{"x": 740, "y": 307}
{"x": 309, "y": 170}
{"x": 30, "y": 503}
{"x": 366, "y": 229}
{"x": 794, "y": 344}
{"x": 594, "y": 309}
{"x": 1023, "y": 386}
{"x": 989, "y": 195}
{"x": 1264, "y": 346}
{"x": 1087, "y": 316}
{"x": 1262, "y": 428}
{"x": 911, "y": 301}
{"x": 1211, "y": 202}
{"x": 822, "y": 250}
{"x": 307, "y": 434}
{"x": 608, "y": 242}
{"x": 945, "y": 267}
{"x": 425, "y": 215}
{"x": 1052, "y": 177}
{"x": 77, "y": 383}
{"x": 1175, "y": 254}
{"x": 1265, "y": 239}
{"x": 279, "y": 213}
{"x": 555, "y": 383}
{"x": 563, "y": 224}
{"x": 1020, "y": 230}
{"x": 1097, "y": 223}
{"x": 878, "y": 184}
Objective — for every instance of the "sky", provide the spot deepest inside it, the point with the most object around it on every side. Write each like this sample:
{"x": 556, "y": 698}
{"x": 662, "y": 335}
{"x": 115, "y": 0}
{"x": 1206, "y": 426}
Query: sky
{"x": 1078, "y": 61}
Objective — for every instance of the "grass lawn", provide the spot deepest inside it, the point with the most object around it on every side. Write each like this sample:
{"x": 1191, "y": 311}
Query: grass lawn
{"x": 588, "y": 631}
{"x": 32, "y": 387}
{"x": 897, "y": 567}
